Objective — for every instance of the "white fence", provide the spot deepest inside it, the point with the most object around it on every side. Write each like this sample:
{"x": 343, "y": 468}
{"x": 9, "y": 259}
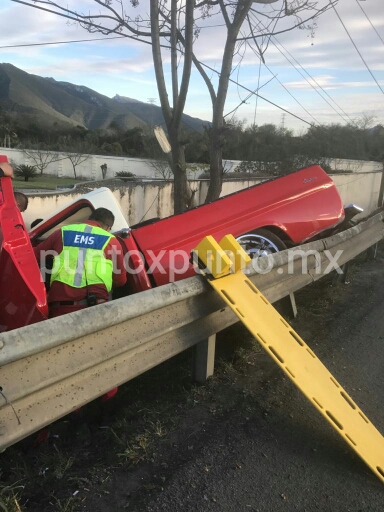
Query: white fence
{"x": 91, "y": 167}
{"x": 336, "y": 164}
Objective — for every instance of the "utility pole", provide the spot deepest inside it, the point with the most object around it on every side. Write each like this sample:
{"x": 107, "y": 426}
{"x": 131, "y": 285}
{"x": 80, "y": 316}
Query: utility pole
{"x": 152, "y": 102}
{"x": 282, "y": 124}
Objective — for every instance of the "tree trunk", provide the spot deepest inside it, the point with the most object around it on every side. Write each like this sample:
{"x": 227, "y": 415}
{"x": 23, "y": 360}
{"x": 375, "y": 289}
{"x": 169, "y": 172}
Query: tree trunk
{"x": 218, "y": 102}
{"x": 181, "y": 186}
{"x": 216, "y": 164}
{"x": 173, "y": 115}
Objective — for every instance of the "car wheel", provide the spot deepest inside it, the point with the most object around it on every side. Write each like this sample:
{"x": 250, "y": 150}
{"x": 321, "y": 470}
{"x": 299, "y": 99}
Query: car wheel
{"x": 261, "y": 243}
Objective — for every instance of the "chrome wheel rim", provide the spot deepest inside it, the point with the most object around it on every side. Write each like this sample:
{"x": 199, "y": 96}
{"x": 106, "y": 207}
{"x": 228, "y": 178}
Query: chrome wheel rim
{"x": 256, "y": 245}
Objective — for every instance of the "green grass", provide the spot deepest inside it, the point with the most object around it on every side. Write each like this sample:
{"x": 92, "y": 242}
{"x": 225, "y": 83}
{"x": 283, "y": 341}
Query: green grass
{"x": 9, "y": 497}
{"x": 44, "y": 182}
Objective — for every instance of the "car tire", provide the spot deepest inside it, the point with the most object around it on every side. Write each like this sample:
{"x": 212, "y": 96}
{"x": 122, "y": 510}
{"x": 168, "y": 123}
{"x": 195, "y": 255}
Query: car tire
{"x": 261, "y": 242}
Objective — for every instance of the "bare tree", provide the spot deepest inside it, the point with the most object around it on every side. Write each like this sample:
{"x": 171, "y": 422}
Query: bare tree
{"x": 77, "y": 159}
{"x": 161, "y": 168}
{"x": 6, "y": 135}
{"x": 41, "y": 158}
{"x": 174, "y": 26}
{"x": 76, "y": 151}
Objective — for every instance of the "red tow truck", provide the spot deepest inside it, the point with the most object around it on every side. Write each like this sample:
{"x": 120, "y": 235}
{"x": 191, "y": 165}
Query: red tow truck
{"x": 264, "y": 218}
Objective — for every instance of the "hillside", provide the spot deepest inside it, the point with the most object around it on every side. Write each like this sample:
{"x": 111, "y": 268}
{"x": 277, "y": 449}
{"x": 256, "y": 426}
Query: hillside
{"x": 45, "y": 101}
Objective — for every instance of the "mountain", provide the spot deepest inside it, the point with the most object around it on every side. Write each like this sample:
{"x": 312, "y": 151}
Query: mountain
{"x": 125, "y": 99}
{"x": 44, "y": 101}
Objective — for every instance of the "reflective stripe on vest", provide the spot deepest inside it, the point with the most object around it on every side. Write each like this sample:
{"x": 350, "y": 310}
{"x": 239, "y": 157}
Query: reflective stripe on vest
{"x": 82, "y": 262}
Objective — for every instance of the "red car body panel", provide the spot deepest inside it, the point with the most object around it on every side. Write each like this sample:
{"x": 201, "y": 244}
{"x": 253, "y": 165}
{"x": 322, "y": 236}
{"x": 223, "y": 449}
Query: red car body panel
{"x": 301, "y": 204}
{"x": 23, "y": 297}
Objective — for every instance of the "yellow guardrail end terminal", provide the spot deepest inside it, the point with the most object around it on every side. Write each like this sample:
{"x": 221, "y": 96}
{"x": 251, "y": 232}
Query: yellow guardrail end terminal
{"x": 213, "y": 257}
{"x": 236, "y": 253}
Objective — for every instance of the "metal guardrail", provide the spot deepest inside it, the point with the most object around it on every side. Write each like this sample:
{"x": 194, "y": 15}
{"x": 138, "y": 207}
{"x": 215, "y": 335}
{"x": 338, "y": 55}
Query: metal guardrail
{"x": 51, "y": 368}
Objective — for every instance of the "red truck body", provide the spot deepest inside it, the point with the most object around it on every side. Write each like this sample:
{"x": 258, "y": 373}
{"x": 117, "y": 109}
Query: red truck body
{"x": 296, "y": 207}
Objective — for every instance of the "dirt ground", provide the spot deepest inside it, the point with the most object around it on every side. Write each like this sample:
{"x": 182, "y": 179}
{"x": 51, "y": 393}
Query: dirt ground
{"x": 247, "y": 440}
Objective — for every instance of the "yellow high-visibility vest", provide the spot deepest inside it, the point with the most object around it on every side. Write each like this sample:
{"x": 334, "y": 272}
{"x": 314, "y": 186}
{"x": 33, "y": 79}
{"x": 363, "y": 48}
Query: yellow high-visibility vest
{"x": 82, "y": 262}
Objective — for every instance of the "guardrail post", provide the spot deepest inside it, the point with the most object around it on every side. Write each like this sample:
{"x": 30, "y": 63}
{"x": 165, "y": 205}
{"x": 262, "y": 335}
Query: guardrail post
{"x": 372, "y": 251}
{"x": 288, "y": 305}
{"x": 204, "y": 359}
{"x": 342, "y": 278}
{"x": 381, "y": 192}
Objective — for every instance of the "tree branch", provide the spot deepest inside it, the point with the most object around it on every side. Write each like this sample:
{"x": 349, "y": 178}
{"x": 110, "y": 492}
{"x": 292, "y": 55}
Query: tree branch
{"x": 207, "y": 2}
{"x": 261, "y": 53}
{"x": 188, "y": 50}
{"x": 225, "y": 14}
{"x": 158, "y": 63}
{"x": 200, "y": 69}
{"x": 175, "y": 81}
{"x": 321, "y": 11}
{"x": 242, "y": 10}
{"x": 83, "y": 19}
{"x": 206, "y": 79}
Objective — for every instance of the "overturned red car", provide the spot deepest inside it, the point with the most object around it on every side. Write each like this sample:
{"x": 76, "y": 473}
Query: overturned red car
{"x": 264, "y": 218}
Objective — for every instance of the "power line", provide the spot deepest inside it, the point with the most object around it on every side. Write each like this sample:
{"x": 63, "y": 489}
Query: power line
{"x": 124, "y": 36}
{"x": 259, "y": 95}
{"x": 248, "y": 96}
{"x": 354, "y": 44}
{"x": 60, "y": 42}
{"x": 258, "y": 88}
{"x": 289, "y": 92}
{"x": 148, "y": 42}
{"x": 366, "y": 15}
{"x": 85, "y": 22}
{"x": 308, "y": 82}
{"x": 292, "y": 96}
{"x": 314, "y": 80}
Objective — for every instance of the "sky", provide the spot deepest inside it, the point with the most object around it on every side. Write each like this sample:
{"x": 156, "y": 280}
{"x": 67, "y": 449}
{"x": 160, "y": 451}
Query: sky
{"x": 124, "y": 66}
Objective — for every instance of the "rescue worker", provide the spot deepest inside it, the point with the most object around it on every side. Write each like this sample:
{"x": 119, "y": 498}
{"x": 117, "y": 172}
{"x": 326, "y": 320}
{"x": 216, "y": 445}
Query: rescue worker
{"x": 21, "y": 201}
{"x": 6, "y": 170}
{"x": 88, "y": 261}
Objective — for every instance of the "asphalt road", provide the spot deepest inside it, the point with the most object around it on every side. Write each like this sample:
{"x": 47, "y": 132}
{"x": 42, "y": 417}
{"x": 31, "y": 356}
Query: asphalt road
{"x": 275, "y": 452}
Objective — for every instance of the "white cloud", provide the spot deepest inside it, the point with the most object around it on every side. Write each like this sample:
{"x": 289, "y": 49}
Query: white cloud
{"x": 330, "y": 82}
{"x": 127, "y": 65}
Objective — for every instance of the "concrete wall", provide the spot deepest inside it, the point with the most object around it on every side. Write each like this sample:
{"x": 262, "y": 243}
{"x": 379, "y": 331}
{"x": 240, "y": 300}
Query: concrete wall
{"x": 362, "y": 189}
{"x": 138, "y": 201}
{"x": 142, "y": 201}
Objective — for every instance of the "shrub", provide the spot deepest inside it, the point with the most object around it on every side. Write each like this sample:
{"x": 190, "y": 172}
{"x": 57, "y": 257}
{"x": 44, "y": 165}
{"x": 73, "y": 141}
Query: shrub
{"x": 26, "y": 172}
{"x": 126, "y": 174}
{"x": 234, "y": 175}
